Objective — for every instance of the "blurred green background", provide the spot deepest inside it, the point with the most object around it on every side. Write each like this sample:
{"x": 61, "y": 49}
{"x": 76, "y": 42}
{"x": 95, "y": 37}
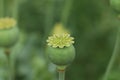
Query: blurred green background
{"x": 93, "y": 23}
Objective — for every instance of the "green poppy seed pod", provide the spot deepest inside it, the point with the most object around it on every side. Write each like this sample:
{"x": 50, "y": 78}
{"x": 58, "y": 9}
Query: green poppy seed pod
{"x": 61, "y": 56}
{"x": 9, "y": 33}
{"x": 115, "y": 4}
{"x": 60, "y": 49}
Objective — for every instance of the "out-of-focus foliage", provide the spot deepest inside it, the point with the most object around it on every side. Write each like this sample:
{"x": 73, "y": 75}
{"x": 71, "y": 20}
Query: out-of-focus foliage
{"x": 91, "y": 22}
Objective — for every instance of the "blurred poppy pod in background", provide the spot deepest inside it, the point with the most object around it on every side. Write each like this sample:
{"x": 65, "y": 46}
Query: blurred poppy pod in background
{"x": 9, "y": 32}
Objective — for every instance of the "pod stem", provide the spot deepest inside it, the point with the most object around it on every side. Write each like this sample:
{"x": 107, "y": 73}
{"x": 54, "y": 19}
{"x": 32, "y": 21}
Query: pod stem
{"x": 7, "y": 53}
{"x": 1, "y": 8}
{"x": 61, "y": 71}
{"x": 114, "y": 55}
{"x": 62, "y": 75}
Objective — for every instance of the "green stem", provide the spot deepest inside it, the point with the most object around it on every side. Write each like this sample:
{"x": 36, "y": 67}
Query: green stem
{"x": 10, "y": 74}
{"x": 49, "y": 18}
{"x": 7, "y": 8}
{"x": 1, "y": 8}
{"x": 61, "y": 75}
{"x": 15, "y": 9}
{"x": 114, "y": 55}
{"x": 9, "y": 69}
{"x": 66, "y": 11}
{"x": 11, "y": 8}
{"x": 49, "y": 15}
